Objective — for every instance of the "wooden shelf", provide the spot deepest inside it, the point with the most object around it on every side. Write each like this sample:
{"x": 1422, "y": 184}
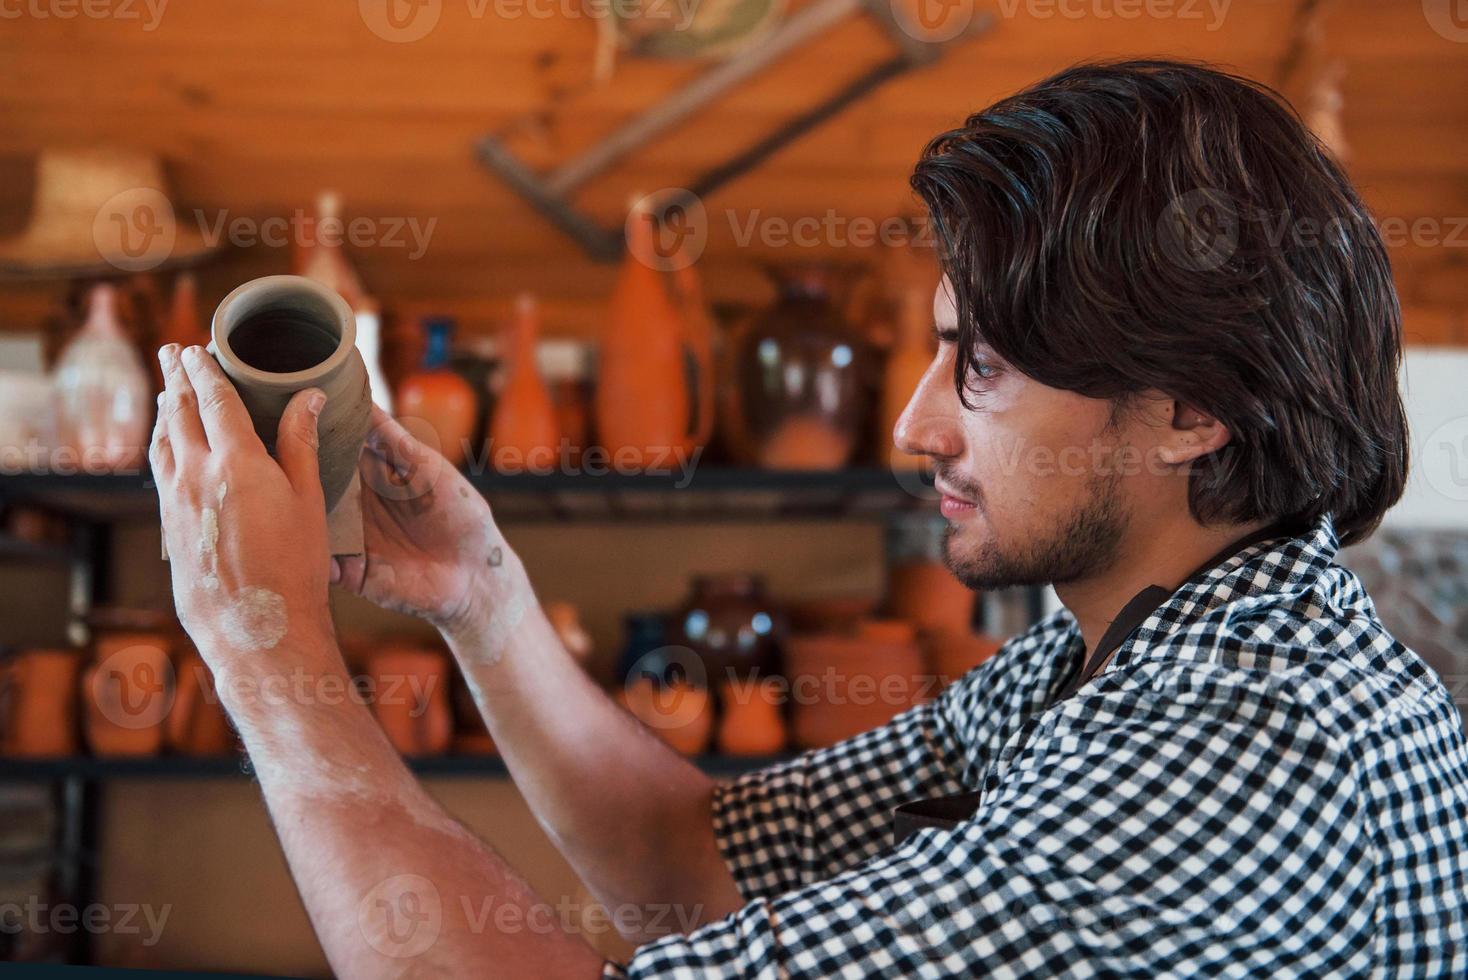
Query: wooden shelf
{"x": 711, "y": 493}
{"x": 230, "y": 767}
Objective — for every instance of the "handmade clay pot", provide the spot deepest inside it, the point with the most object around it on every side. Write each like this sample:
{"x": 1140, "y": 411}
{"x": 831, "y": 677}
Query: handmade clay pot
{"x": 799, "y": 376}
{"x": 129, "y": 686}
{"x": 751, "y": 721}
{"x": 644, "y": 400}
{"x": 411, "y": 698}
{"x": 277, "y": 335}
{"x": 197, "y": 725}
{"x": 40, "y": 703}
{"x": 523, "y": 434}
{"x": 435, "y": 403}
{"x": 920, "y": 587}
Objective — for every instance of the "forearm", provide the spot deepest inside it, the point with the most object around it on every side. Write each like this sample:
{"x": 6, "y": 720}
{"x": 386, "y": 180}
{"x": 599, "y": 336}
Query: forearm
{"x": 394, "y": 886}
{"x": 631, "y": 815}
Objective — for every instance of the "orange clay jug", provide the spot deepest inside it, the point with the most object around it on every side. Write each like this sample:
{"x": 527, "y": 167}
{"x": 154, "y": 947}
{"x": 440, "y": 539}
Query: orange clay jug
{"x": 701, "y": 333}
{"x": 128, "y": 690}
{"x": 436, "y": 404}
{"x": 524, "y": 434}
{"x": 643, "y": 401}
{"x": 197, "y": 725}
{"x": 410, "y": 697}
{"x": 678, "y": 713}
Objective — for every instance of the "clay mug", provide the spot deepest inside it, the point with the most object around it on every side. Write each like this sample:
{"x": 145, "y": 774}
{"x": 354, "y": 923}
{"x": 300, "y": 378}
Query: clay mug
{"x": 279, "y": 334}
{"x": 410, "y": 698}
{"x": 129, "y": 693}
{"x": 41, "y": 696}
{"x": 197, "y": 725}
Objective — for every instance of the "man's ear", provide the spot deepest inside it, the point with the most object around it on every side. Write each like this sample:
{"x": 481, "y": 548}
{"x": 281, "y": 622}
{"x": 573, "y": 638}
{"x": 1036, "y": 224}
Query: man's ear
{"x": 1191, "y": 435}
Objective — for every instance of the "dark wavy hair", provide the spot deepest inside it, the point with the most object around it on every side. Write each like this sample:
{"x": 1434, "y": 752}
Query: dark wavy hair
{"x": 1159, "y": 225}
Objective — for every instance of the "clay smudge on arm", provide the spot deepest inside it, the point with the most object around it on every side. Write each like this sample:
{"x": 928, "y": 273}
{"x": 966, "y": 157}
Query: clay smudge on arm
{"x": 255, "y": 619}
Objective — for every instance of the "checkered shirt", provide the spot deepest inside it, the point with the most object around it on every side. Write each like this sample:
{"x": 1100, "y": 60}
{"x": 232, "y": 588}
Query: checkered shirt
{"x": 1262, "y": 783}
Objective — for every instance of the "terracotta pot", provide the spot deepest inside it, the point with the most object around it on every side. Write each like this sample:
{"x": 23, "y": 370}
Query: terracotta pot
{"x": 524, "y": 434}
{"x": 920, "y": 588}
{"x": 751, "y": 722}
{"x": 732, "y": 627}
{"x": 800, "y": 378}
{"x": 644, "y": 400}
{"x": 834, "y": 614}
{"x": 277, "y": 335}
{"x": 679, "y": 713}
{"x": 435, "y": 403}
{"x": 128, "y": 687}
{"x": 40, "y": 703}
{"x": 843, "y": 685}
{"x": 410, "y": 698}
{"x": 197, "y": 725}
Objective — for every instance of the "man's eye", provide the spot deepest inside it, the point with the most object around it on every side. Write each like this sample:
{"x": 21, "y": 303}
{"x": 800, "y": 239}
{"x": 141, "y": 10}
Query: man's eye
{"x": 984, "y": 369}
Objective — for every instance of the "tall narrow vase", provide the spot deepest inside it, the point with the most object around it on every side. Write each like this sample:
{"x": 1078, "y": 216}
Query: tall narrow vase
{"x": 524, "y": 434}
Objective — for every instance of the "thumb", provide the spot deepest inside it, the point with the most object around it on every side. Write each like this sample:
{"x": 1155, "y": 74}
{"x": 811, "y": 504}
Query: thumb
{"x": 296, "y": 441}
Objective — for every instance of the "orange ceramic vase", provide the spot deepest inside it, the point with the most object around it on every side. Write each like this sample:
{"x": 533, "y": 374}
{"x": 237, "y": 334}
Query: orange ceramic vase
{"x": 906, "y": 365}
{"x": 643, "y": 403}
{"x": 524, "y": 434}
{"x": 436, "y": 404}
{"x": 410, "y": 698}
{"x": 40, "y": 703}
{"x": 751, "y": 722}
{"x": 129, "y": 692}
{"x": 183, "y": 326}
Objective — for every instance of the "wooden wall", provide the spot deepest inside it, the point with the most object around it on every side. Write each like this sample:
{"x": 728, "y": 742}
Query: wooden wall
{"x": 258, "y": 104}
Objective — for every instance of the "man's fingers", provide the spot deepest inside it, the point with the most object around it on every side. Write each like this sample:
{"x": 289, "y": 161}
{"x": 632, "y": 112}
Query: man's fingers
{"x": 223, "y": 415}
{"x": 350, "y": 572}
{"x": 296, "y": 441}
{"x": 403, "y": 468}
{"x": 180, "y": 408}
{"x": 160, "y": 452}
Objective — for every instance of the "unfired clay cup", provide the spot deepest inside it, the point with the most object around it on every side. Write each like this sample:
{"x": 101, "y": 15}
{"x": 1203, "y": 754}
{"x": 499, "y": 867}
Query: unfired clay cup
{"x": 275, "y": 336}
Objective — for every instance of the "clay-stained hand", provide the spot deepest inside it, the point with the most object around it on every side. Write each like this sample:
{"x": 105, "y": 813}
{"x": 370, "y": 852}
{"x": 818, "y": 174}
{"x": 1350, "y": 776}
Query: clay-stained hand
{"x": 432, "y": 548}
{"x": 246, "y": 534}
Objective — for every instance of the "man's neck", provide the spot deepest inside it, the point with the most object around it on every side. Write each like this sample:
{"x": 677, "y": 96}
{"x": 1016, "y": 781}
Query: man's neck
{"x": 1156, "y": 555}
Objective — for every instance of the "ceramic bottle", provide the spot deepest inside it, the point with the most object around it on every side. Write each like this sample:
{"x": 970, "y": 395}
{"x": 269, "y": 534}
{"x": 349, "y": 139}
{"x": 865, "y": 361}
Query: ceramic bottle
{"x": 436, "y": 403}
{"x": 524, "y": 434}
{"x": 105, "y": 403}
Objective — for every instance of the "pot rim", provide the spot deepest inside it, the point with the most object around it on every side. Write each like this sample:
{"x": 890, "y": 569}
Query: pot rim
{"x": 236, "y": 306}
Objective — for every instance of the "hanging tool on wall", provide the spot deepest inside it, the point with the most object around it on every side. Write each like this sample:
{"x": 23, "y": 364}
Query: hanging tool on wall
{"x": 550, "y": 194}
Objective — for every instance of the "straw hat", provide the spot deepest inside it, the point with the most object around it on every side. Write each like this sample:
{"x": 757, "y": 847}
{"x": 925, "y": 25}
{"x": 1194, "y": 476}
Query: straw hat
{"x": 99, "y": 211}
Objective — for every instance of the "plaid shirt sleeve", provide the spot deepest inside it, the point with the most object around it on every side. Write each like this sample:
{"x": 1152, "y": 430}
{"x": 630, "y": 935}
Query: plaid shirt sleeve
{"x": 1198, "y": 829}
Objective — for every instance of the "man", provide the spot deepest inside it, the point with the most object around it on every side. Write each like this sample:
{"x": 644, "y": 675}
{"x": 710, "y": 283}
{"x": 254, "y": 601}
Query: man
{"x": 1150, "y": 390}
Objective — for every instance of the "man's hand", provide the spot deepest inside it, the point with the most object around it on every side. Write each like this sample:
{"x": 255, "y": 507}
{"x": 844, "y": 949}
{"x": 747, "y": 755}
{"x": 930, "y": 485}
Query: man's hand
{"x": 246, "y": 534}
{"x": 432, "y": 548}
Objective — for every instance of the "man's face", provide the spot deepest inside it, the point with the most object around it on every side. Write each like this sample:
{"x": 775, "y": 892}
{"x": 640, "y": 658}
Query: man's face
{"x": 1029, "y": 477}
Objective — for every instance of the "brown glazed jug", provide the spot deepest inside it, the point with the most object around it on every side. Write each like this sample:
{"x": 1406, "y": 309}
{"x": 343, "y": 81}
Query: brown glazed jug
{"x": 40, "y": 703}
{"x": 435, "y": 403}
{"x": 128, "y": 688}
{"x": 730, "y": 623}
{"x": 799, "y": 386}
{"x": 277, "y": 335}
{"x": 524, "y": 434}
{"x": 644, "y": 401}
{"x": 410, "y": 698}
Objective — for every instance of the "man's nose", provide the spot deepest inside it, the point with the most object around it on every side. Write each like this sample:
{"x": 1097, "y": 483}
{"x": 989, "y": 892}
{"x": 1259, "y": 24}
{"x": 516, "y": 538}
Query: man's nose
{"x": 929, "y": 425}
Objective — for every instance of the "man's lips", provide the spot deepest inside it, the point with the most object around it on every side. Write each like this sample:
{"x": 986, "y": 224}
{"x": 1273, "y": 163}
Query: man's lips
{"x": 952, "y": 505}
